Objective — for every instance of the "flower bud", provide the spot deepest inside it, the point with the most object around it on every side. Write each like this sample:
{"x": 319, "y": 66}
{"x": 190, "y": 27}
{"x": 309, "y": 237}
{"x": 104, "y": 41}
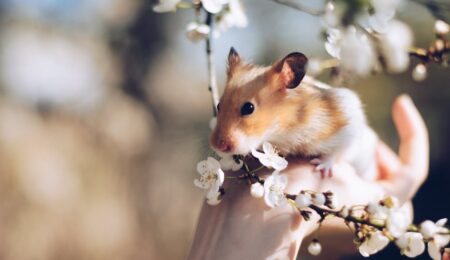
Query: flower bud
{"x": 315, "y": 248}
{"x": 428, "y": 229}
{"x": 303, "y": 200}
{"x": 345, "y": 212}
{"x": 420, "y": 72}
{"x": 330, "y": 200}
{"x": 314, "y": 67}
{"x": 257, "y": 190}
{"x": 318, "y": 199}
{"x": 441, "y": 27}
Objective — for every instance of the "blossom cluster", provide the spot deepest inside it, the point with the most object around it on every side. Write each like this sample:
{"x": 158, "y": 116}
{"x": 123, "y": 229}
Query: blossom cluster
{"x": 228, "y": 14}
{"x": 362, "y": 37}
{"x": 367, "y": 37}
{"x": 374, "y": 225}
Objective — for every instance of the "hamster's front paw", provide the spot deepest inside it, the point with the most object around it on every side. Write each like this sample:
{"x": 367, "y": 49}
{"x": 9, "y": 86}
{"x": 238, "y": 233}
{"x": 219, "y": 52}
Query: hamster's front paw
{"x": 324, "y": 166}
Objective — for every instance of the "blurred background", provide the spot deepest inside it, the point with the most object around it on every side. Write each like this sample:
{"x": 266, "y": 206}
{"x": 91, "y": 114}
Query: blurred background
{"x": 104, "y": 113}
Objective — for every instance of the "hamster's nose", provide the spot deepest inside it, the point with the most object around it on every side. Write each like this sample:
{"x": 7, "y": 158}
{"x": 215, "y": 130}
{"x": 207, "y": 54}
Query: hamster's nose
{"x": 224, "y": 146}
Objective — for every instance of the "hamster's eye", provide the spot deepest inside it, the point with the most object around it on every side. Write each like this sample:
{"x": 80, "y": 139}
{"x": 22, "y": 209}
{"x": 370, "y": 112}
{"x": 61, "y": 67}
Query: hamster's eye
{"x": 218, "y": 107}
{"x": 247, "y": 109}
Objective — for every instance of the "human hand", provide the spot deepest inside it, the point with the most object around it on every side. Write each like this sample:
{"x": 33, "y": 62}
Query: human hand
{"x": 242, "y": 227}
{"x": 398, "y": 175}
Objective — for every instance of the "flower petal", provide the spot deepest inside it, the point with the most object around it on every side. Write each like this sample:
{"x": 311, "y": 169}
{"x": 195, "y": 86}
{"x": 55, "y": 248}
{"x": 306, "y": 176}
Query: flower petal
{"x": 270, "y": 199}
{"x": 200, "y": 184}
{"x": 204, "y": 167}
{"x": 220, "y": 177}
{"x": 213, "y": 191}
{"x": 282, "y": 180}
{"x": 441, "y": 222}
{"x": 279, "y": 163}
{"x": 212, "y": 6}
{"x": 268, "y": 148}
{"x": 257, "y": 154}
{"x": 213, "y": 163}
{"x": 434, "y": 251}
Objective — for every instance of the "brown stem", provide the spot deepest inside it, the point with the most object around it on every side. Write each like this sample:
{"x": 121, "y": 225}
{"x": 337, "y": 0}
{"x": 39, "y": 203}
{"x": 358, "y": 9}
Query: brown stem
{"x": 212, "y": 80}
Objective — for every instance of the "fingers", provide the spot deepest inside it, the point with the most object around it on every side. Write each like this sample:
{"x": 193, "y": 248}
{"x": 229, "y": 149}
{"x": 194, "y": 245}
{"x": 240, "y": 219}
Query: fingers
{"x": 414, "y": 150}
{"x": 388, "y": 162}
{"x": 404, "y": 176}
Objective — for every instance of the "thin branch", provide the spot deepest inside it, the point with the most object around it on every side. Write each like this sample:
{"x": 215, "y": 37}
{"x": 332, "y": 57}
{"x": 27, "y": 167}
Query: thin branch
{"x": 298, "y": 6}
{"x": 436, "y": 53}
{"x": 212, "y": 80}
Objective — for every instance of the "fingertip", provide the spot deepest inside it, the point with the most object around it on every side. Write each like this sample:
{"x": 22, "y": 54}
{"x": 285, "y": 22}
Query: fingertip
{"x": 402, "y": 105}
{"x": 412, "y": 132}
{"x": 407, "y": 118}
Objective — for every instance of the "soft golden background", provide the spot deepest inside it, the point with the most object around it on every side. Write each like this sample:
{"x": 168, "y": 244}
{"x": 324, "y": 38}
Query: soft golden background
{"x": 104, "y": 114}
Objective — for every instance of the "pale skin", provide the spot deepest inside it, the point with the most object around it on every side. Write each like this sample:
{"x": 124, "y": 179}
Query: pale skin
{"x": 242, "y": 227}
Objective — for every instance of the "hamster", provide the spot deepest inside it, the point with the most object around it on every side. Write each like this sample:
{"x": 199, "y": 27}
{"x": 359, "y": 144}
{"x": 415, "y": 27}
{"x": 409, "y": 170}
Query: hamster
{"x": 298, "y": 115}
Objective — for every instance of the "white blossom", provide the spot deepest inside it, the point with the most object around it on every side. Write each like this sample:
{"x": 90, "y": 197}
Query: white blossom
{"x": 314, "y": 67}
{"x": 395, "y": 44}
{"x": 227, "y": 162}
{"x": 385, "y": 6}
{"x": 257, "y": 190}
{"x": 303, "y": 200}
{"x": 419, "y": 72}
{"x": 211, "y": 177}
{"x": 384, "y": 12}
{"x": 332, "y": 16}
{"x": 314, "y": 248}
{"x": 428, "y": 228}
{"x": 441, "y": 27}
{"x": 377, "y": 212}
{"x": 166, "y": 6}
{"x": 438, "y": 235}
{"x": 376, "y": 242}
{"x": 234, "y": 17}
{"x": 197, "y": 31}
{"x": 357, "y": 53}
{"x": 270, "y": 158}
{"x": 214, "y": 6}
{"x": 379, "y": 22}
{"x": 397, "y": 222}
{"x": 274, "y": 187}
{"x": 411, "y": 244}
{"x": 332, "y": 45}
{"x": 354, "y": 49}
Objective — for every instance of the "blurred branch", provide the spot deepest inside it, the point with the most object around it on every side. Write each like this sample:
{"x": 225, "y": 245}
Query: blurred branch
{"x": 298, "y": 6}
{"x": 212, "y": 80}
{"x": 438, "y": 52}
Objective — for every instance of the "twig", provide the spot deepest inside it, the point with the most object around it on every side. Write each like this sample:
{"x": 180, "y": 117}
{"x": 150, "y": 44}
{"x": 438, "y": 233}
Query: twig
{"x": 436, "y": 53}
{"x": 300, "y": 7}
{"x": 212, "y": 80}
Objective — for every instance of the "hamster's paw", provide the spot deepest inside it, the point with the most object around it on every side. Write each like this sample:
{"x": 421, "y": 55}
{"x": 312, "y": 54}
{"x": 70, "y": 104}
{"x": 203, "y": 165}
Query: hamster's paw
{"x": 324, "y": 166}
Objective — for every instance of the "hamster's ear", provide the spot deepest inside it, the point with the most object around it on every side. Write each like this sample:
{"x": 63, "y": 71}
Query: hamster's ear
{"x": 290, "y": 70}
{"x": 233, "y": 60}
